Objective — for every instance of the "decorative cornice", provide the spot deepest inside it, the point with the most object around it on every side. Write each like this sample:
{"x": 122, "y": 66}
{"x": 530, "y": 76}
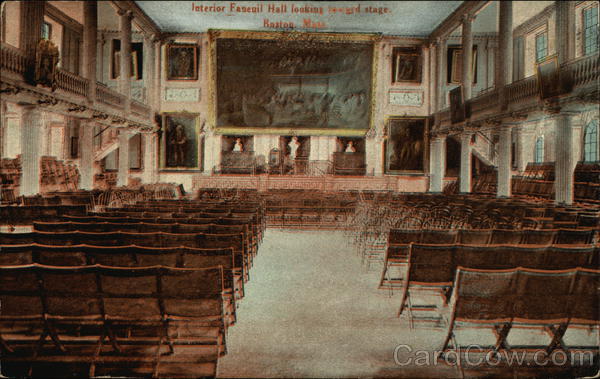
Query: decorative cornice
{"x": 452, "y": 21}
{"x": 534, "y": 22}
{"x": 62, "y": 18}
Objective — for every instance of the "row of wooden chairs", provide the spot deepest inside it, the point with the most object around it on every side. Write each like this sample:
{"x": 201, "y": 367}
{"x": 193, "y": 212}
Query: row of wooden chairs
{"x": 58, "y": 175}
{"x": 117, "y": 321}
{"x": 433, "y": 266}
{"x": 495, "y": 236}
{"x": 125, "y": 240}
{"x": 10, "y": 179}
{"x": 555, "y": 300}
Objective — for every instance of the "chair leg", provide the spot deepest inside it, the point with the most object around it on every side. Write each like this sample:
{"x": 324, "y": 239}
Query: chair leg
{"x": 5, "y": 345}
{"x": 501, "y": 333}
{"x": 557, "y": 334}
{"x": 403, "y": 300}
{"x": 92, "y": 371}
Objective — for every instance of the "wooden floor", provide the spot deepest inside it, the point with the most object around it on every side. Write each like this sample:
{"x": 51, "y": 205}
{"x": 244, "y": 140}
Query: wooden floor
{"x": 312, "y": 310}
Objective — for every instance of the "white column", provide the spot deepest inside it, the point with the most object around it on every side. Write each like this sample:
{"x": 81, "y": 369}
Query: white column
{"x": 504, "y": 162}
{"x": 150, "y": 150}
{"x": 440, "y": 53}
{"x": 149, "y": 70}
{"x": 86, "y": 160}
{"x": 125, "y": 64}
{"x": 504, "y": 54}
{"x": 465, "y": 163}
{"x": 432, "y": 55}
{"x": 31, "y": 137}
{"x": 123, "y": 173}
{"x": 564, "y": 165}
{"x": 437, "y": 164}
{"x": 564, "y": 31}
{"x": 90, "y": 41}
{"x": 467, "y": 56}
{"x": 315, "y": 142}
{"x": 156, "y": 84}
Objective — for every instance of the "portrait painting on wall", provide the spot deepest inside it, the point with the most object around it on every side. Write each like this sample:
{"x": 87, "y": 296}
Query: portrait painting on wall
{"x": 182, "y": 62}
{"x": 457, "y": 106}
{"x": 548, "y": 78}
{"x": 406, "y": 65}
{"x": 46, "y": 61}
{"x": 180, "y": 142}
{"x": 291, "y": 84}
{"x": 405, "y": 145}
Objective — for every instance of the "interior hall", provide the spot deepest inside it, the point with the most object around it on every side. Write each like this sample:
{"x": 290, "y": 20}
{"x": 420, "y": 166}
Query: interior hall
{"x": 406, "y": 189}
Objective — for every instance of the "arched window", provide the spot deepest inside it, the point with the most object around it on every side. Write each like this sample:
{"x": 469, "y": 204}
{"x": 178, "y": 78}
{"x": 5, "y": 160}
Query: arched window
{"x": 590, "y": 142}
{"x": 539, "y": 150}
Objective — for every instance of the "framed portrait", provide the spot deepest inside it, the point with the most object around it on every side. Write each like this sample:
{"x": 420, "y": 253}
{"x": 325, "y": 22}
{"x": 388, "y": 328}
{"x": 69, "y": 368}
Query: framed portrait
{"x": 455, "y": 58}
{"x": 457, "y": 106}
{"x": 406, "y": 65}
{"x": 46, "y": 30}
{"x": 181, "y": 147}
{"x": 405, "y": 146}
{"x": 548, "y": 77}
{"x": 74, "y": 147}
{"x": 182, "y": 62}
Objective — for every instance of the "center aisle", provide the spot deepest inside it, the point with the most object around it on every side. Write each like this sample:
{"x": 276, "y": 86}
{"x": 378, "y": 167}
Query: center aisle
{"x": 312, "y": 311}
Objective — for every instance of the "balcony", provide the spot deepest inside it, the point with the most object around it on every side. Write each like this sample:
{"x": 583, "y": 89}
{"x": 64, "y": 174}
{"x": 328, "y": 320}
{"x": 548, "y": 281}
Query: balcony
{"x": 576, "y": 76}
{"x": 14, "y": 64}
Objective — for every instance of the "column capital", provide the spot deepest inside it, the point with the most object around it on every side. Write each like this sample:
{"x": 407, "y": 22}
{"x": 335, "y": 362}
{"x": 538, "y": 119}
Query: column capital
{"x": 467, "y": 18}
{"x": 125, "y": 13}
{"x": 441, "y": 136}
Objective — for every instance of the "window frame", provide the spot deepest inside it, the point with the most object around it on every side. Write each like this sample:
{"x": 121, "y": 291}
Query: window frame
{"x": 590, "y": 144}
{"x": 539, "y": 151}
{"x": 543, "y": 33}
{"x": 584, "y": 29}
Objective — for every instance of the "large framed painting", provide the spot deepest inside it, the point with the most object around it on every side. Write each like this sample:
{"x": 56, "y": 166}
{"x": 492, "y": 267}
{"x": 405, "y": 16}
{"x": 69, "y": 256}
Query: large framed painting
{"x": 457, "y": 105}
{"x": 182, "y": 61}
{"x": 269, "y": 82}
{"x": 548, "y": 77}
{"x": 405, "y": 148}
{"x": 406, "y": 65}
{"x": 181, "y": 147}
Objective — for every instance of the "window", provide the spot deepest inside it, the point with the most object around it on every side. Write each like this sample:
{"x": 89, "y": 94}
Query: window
{"x": 46, "y": 30}
{"x": 541, "y": 46}
{"x": 590, "y": 30}
{"x": 539, "y": 150}
{"x": 590, "y": 142}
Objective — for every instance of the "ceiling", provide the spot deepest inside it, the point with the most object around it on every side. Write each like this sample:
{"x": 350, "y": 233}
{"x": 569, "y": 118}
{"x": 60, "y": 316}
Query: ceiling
{"x": 405, "y": 18}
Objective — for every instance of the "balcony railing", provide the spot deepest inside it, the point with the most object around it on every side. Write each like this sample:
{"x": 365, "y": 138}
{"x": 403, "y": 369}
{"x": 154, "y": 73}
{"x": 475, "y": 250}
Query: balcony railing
{"x": 522, "y": 89}
{"x": 583, "y": 70}
{"x": 71, "y": 83}
{"x": 140, "y": 109}
{"x": 109, "y": 97}
{"x": 489, "y": 99}
{"x": 12, "y": 59}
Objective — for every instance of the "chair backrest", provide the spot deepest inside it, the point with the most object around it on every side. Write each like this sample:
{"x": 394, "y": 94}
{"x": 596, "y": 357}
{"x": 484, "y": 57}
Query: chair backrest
{"x": 17, "y": 255}
{"x": 431, "y": 264}
{"x": 70, "y": 292}
{"x": 439, "y": 236}
{"x": 527, "y": 295}
{"x": 574, "y": 236}
{"x": 561, "y": 257}
{"x": 474, "y": 236}
{"x": 502, "y": 236}
{"x": 398, "y": 253}
{"x": 20, "y": 293}
{"x": 404, "y": 236}
{"x": 538, "y": 237}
